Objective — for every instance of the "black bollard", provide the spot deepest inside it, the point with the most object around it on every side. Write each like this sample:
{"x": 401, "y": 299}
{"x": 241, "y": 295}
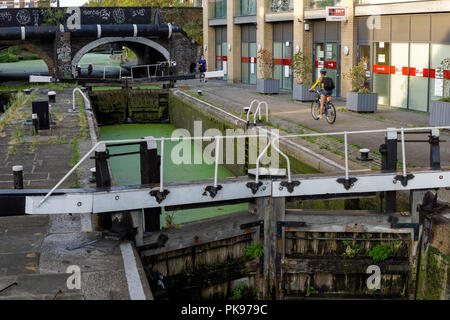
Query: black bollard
{"x": 103, "y": 180}
{"x": 389, "y": 164}
{"x": 18, "y": 177}
{"x": 150, "y": 163}
{"x": 435, "y": 151}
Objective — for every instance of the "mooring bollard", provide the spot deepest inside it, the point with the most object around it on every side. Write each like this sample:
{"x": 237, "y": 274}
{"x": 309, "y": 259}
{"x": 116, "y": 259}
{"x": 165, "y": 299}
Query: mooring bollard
{"x": 364, "y": 155}
{"x": 51, "y": 96}
{"x": 27, "y": 91}
{"x": 35, "y": 120}
{"x": 18, "y": 177}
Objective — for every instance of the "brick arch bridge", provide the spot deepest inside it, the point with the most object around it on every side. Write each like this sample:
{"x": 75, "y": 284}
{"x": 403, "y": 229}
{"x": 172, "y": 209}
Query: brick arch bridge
{"x": 83, "y": 29}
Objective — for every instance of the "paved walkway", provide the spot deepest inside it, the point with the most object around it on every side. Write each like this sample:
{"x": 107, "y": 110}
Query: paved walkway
{"x": 35, "y": 251}
{"x": 295, "y": 117}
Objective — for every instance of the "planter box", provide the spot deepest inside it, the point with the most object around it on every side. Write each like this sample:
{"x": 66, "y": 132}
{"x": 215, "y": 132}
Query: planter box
{"x": 301, "y": 92}
{"x": 362, "y": 102}
{"x": 268, "y": 86}
{"x": 439, "y": 113}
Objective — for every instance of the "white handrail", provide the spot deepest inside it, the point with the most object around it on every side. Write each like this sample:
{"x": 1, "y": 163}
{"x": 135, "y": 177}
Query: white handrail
{"x": 162, "y": 139}
{"x": 346, "y": 133}
{"x": 250, "y": 109}
{"x": 86, "y": 99}
{"x": 258, "y": 109}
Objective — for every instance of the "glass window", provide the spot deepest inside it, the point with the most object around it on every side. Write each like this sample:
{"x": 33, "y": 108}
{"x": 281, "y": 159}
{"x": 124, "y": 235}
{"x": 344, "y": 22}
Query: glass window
{"x": 438, "y": 53}
{"x": 275, "y": 6}
{"x": 399, "y": 75}
{"x": 245, "y": 7}
{"x": 381, "y": 70}
{"x": 418, "y": 84}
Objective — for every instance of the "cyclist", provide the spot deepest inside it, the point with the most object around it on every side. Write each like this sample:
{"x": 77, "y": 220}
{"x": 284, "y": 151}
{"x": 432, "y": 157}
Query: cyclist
{"x": 326, "y": 89}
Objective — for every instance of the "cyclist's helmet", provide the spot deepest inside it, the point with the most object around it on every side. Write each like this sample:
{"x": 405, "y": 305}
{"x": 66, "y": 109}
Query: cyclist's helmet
{"x": 323, "y": 71}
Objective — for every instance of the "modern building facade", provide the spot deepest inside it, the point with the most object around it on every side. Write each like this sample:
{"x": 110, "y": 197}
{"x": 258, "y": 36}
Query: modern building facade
{"x": 404, "y": 41}
{"x": 10, "y": 4}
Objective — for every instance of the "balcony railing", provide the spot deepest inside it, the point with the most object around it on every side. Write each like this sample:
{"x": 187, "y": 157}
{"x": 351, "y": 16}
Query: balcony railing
{"x": 218, "y": 9}
{"x": 276, "y": 6}
{"x": 319, "y": 4}
{"x": 245, "y": 8}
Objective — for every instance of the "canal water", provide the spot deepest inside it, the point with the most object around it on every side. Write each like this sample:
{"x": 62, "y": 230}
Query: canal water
{"x": 126, "y": 169}
{"x": 23, "y": 69}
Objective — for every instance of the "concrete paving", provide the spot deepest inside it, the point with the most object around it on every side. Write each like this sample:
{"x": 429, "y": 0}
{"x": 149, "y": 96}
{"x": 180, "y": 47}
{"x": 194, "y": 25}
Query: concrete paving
{"x": 295, "y": 117}
{"x": 36, "y": 251}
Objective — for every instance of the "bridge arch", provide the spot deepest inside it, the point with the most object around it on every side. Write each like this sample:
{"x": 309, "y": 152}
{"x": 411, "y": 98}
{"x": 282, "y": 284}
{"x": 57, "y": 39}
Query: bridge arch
{"x": 41, "y": 50}
{"x": 137, "y": 40}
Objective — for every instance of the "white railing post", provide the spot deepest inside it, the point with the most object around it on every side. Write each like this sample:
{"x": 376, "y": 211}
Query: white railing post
{"x": 104, "y": 72}
{"x": 288, "y": 163}
{"x": 259, "y": 157}
{"x": 346, "y": 155}
{"x": 161, "y": 172}
{"x": 216, "y": 166}
{"x": 403, "y": 152}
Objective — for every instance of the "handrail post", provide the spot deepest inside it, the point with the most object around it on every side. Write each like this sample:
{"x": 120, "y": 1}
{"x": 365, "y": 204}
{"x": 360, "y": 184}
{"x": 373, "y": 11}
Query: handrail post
{"x": 161, "y": 174}
{"x": 259, "y": 158}
{"x": 403, "y": 152}
{"x": 216, "y": 166}
{"x": 346, "y": 155}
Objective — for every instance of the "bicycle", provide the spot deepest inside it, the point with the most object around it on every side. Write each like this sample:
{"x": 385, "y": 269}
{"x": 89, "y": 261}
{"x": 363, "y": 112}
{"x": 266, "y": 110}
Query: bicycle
{"x": 328, "y": 109}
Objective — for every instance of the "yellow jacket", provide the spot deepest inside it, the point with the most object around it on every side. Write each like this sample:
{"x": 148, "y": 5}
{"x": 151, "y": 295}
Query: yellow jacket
{"x": 317, "y": 82}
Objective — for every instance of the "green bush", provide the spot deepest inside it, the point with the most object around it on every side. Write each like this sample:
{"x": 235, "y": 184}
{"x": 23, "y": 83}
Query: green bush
{"x": 6, "y": 57}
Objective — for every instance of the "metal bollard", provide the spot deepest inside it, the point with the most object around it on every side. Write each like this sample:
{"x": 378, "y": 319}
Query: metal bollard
{"x": 364, "y": 155}
{"x": 52, "y": 96}
{"x": 35, "y": 119}
{"x": 18, "y": 177}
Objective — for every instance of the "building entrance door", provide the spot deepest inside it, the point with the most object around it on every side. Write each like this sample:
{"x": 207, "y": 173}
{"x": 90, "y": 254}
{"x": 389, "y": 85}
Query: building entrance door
{"x": 327, "y": 57}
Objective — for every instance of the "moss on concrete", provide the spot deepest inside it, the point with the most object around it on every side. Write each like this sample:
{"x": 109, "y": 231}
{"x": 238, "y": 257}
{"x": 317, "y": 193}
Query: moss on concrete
{"x": 433, "y": 270}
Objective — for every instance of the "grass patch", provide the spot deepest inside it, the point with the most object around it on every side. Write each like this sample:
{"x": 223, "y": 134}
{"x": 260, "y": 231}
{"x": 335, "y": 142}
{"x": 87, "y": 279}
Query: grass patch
{"x": 105, "y": 88}
{"x": 74, "y": 146}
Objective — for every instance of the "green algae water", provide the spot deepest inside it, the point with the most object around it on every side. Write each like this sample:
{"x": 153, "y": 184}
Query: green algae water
{"x": 126, "y": 169}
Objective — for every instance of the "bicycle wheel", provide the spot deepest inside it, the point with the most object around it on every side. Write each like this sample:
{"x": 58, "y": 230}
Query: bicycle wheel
{"x": 315, "y": 108}
{"x": 331, "y": 114}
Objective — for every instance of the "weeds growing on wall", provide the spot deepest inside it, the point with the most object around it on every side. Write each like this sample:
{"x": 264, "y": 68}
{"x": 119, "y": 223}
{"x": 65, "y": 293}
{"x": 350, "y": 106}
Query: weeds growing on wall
{"x": 254, "y": 251}
{"x": 383, "y": 251}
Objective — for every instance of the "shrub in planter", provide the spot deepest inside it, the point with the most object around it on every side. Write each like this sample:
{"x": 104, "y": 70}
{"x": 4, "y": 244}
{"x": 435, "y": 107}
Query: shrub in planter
{"x": 267, "y": 84}
{"x": 440, "y": 109}
{"x": 360, "y": 99}
{"x": 303, "y": 74}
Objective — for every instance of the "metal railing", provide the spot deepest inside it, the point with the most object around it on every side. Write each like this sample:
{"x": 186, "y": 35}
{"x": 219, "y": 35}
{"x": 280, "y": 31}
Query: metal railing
{"x": 257, "y": 111}
{"x": 345, "y": 134}
{"x": 101, "y": 146}
{"x": 87, "y": 102}
{"x": 160, "y": 67}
